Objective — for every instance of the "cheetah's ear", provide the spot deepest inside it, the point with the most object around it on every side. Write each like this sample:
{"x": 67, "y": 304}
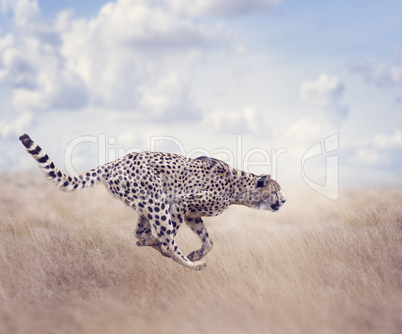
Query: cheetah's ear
{"x": 263, "y": 181}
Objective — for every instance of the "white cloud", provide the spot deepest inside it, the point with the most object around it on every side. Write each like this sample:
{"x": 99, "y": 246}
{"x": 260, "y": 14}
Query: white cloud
{"x": 15, "y": 68}
{"x": 26, "y": 13}
{"x": 223, "y": 8}
{"x": 248, "y": 121}
{"x": 325, "y": 92}
{"x": 384, "y": 141}
{"x": 379, "y": 74}
{"x": 307, "y": 130}
{"x": 382, "y": 151}
{"x": 31, "y": 63}
{"x": 135, "y": 56}
{"x": 367, "y": 156}
{"x": 16, "y": 127}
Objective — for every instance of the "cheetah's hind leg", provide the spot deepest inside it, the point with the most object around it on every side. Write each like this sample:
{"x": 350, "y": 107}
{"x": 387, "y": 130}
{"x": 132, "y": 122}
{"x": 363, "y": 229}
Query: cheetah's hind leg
{"x": 143, "y": 233}
{"x": 198, "y": 227}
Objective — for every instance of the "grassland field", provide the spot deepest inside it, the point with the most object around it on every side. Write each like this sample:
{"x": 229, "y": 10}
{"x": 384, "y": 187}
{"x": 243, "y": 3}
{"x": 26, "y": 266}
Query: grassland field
{"x": 69, "y": 264}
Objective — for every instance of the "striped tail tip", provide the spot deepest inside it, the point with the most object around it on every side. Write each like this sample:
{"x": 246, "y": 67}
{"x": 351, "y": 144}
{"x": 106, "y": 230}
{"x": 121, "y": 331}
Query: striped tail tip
{"x": 26, "y": 141}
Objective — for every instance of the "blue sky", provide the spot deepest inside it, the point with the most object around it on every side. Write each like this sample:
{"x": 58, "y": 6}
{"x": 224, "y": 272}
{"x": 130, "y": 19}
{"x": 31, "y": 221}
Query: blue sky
{"x": 284, "y": 75}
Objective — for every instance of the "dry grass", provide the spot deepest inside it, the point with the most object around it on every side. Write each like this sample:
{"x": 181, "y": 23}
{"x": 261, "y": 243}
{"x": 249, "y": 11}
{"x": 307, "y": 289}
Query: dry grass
{"x": 69, "y": 264}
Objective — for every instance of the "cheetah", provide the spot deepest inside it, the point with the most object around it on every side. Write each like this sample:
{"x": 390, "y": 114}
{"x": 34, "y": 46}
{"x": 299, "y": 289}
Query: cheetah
{"x": 166, "y": 190}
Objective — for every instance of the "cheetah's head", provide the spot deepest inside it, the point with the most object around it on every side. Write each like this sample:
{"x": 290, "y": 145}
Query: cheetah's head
{"x": 266, "y": 195}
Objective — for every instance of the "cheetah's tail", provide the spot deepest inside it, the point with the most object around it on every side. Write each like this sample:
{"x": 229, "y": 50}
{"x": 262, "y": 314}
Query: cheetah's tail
{"x": 64, "y": 182}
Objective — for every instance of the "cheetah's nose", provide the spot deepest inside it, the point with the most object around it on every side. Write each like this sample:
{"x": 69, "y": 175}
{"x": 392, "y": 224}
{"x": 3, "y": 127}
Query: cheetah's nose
{"x": 275, "y": 207}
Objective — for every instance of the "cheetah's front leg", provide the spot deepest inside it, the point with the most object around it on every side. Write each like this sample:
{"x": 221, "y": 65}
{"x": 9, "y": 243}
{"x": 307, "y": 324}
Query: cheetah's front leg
{"x": 164, "y": 225}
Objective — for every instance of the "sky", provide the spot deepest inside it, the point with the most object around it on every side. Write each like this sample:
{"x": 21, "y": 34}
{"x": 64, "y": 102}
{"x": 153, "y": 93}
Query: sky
{"x": 308, "y": 91}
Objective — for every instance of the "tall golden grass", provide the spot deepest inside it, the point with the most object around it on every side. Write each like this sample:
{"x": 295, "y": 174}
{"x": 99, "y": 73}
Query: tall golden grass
{"x": 69, "y": 264}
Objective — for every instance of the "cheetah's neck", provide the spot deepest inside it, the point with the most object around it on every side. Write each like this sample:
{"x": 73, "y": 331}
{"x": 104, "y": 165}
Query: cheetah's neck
{"x": 243, "y": 183}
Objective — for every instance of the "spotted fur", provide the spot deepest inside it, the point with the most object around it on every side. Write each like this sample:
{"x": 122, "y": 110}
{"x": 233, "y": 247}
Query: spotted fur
{"x": 168, "y": 189}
